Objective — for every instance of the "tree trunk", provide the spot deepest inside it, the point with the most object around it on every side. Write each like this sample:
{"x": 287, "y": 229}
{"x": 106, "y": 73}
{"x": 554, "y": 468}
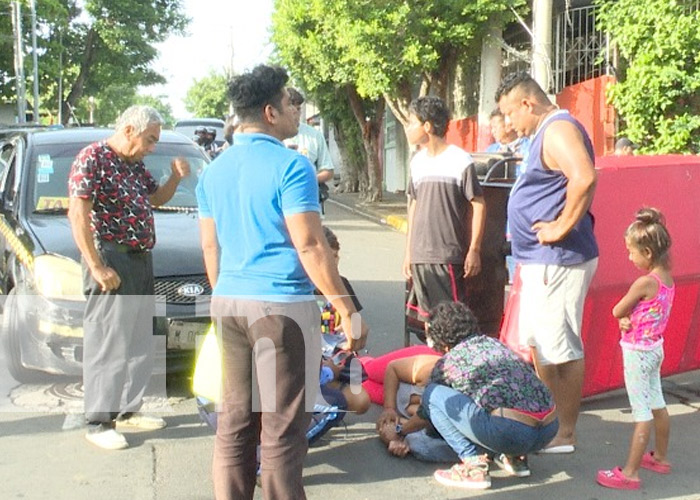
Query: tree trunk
{"x": 371, "y": 127}
{"x": 76, "y": 91}
{"x": 399, "y": 105}
{"x": 353, "y": 178}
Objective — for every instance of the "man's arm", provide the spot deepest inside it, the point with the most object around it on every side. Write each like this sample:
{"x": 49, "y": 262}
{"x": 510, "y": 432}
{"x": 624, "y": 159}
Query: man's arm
{"x": 210, "y": 249}
{"x": 319, "y": 264}
{"x": 564, "y": 150}
{"x": 409, "y": 231}
{"x": 180, "y": 168}
{"x": 324, "y": 163}
{"x": 79, "y": 216}
{"x": 472, "y": 263}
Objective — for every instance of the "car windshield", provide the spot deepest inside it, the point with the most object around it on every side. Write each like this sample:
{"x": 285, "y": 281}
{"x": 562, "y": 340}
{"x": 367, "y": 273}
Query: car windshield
{"x": 50, "y": 166}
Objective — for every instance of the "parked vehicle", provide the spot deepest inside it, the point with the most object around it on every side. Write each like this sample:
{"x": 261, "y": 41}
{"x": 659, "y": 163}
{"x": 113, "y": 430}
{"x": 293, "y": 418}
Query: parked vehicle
{"x": 40, "y": 269}
{"x": 187, "y": 128}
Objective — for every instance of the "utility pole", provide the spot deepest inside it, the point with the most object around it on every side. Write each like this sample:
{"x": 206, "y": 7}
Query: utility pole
{"x": 60, "y": 76}
{"x": 19, "y": 62}
{"x": 35, "y": 61}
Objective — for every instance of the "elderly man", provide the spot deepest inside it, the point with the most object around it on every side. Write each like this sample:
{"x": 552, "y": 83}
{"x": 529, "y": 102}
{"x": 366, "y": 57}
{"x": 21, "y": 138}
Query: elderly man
{"x": 258, "y": 205}
{"x": 553, "y": 241}
{"x": 111, "y": 199}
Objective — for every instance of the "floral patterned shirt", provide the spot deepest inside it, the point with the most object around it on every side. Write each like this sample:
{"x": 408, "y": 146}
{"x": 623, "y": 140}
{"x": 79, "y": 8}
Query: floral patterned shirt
{"x": 119, "y": 192}
{"x": 492, "y": 375}
{"x": 649, "y": 319}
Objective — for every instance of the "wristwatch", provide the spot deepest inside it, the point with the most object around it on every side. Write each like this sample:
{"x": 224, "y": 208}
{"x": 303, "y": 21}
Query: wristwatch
{"x": 399, "y": 430}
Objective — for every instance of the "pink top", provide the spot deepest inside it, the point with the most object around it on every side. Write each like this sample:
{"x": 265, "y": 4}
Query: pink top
{"x": 649, "y": 318}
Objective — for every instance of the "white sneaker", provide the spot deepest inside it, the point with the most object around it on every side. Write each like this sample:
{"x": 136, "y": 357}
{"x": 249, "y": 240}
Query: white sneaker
{"x": 142, "y": 421}
{"x": 106, "y": 438}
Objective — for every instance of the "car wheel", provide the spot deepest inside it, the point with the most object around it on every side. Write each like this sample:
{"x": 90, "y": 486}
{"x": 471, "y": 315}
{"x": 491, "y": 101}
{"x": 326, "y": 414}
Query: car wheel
{"x": 11, "y": 343}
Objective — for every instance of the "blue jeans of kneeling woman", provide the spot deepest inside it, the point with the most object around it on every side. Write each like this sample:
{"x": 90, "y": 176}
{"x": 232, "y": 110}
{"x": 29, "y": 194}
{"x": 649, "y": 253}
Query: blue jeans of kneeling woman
{"x": 470, "y": 430}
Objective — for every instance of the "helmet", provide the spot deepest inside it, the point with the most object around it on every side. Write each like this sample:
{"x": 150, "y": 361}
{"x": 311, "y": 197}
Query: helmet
{"x": 200, "y": 130}
{"x": 211, "y": 130}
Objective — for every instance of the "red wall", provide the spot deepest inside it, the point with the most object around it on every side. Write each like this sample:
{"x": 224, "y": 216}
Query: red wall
{"x": 586, "y": 101}
{"x": 463, "y": 133}
{"x": 625, "y": 184}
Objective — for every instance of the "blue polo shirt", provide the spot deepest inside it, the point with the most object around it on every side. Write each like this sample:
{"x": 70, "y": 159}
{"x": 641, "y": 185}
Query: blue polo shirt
{"x": 248, "y": 190}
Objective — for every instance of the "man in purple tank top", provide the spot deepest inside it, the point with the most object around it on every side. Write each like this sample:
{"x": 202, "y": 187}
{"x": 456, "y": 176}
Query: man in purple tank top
{"x": 553, "y": 242}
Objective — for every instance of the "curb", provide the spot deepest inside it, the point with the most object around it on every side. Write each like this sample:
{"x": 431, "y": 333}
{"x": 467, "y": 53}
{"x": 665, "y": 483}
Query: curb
{"x": 397, "y": 222}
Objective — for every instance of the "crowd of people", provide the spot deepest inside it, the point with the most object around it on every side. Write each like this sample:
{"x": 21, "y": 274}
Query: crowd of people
{"x": 465, "y": 398}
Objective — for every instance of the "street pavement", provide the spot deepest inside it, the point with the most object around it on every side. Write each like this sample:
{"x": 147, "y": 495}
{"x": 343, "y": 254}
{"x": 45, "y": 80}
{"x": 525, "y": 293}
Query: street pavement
{"x": 39, "y": 460}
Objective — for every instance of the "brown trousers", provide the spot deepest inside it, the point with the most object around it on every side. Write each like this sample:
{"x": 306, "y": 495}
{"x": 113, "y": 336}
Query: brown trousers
{"x": 271, "y": 355}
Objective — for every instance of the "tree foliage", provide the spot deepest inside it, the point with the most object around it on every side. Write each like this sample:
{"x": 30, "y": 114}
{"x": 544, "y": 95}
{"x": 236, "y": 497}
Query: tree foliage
{"x": 657, "y": 92}
{"x": 100, "y": 47}
{"x": 369, "y": 53}
{"x": 207, "y": 96}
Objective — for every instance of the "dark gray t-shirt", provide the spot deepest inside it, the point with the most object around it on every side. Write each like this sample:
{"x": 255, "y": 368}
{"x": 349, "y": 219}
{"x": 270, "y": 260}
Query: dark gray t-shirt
{"x": 443, "y": 187}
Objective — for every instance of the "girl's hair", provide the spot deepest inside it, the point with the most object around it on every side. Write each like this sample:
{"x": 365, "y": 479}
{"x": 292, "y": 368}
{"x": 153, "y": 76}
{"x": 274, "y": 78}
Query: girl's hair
{"x": 648, "y": 231}
{"x": 449, "y": 324}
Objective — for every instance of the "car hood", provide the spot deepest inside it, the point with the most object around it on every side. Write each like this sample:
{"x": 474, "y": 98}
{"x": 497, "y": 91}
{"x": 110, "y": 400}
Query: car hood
{"x": 177, "y": 251}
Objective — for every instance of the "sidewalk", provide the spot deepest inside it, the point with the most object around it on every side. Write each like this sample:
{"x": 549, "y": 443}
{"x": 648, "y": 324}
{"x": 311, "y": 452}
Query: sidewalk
{"x": 391, "y": 211}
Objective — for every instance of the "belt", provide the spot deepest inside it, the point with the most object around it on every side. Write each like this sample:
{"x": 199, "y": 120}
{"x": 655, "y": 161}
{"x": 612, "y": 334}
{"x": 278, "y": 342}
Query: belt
{"x": 120, "y": 248}
{"x": 524, "y": 418}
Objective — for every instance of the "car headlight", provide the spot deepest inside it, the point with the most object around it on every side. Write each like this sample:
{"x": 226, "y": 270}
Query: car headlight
{"x": 57, "y": 277}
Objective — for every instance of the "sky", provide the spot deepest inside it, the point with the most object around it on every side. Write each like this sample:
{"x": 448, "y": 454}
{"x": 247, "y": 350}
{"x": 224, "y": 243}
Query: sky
{"x": 215, "y": 26}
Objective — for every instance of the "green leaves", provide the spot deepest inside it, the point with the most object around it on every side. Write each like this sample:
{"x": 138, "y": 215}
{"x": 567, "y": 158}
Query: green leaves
{"x": 657, "y": 93}
{"x": 207, "y": 96}
{"x": 103, "y": 45}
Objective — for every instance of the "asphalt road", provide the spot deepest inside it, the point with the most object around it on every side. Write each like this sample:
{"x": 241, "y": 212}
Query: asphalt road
{"x": 39, "y": 460}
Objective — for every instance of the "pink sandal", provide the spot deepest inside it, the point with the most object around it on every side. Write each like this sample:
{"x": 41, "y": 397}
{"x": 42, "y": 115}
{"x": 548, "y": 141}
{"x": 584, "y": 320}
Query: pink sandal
{"x": 614, "y": 478}
{"x": 649, "y": 462}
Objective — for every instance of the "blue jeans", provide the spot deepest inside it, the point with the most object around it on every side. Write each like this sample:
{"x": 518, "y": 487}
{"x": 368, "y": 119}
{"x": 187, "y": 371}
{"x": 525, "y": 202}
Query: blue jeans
{"x": 470, "y": 430}
{"x": 429, "y": 449}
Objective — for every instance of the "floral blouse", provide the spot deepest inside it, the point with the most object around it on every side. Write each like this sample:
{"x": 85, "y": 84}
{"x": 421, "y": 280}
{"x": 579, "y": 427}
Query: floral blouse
{"x": 492, "y": 375}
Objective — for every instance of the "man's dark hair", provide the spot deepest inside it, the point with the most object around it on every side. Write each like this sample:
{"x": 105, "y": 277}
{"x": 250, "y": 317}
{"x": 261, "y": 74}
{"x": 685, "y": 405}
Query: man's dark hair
{"x": 496, "y": 113}
{"x": 295, "y": 97}
{"x": 331, "y": 238}
{"x": 449, "y": 324}
{"x": 250, "y": 92}
{"x": 433, "y": 110}
{"x": 521, "y": 80}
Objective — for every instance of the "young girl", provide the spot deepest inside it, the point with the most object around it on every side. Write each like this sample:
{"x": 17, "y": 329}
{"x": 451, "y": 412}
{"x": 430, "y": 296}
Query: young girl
{"x": 643, "y": 313}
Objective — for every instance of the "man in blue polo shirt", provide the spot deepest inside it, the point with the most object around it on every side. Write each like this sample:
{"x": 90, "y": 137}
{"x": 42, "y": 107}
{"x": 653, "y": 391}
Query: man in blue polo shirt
{"x": 264, "y": 251}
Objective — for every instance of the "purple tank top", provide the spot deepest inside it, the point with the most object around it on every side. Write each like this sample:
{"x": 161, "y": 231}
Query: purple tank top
{"x": 539, "y": 194}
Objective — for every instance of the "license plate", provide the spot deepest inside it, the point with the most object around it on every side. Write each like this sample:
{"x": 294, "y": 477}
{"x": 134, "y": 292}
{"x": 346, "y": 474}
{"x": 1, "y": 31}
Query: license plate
{"x": 183, "y": 334}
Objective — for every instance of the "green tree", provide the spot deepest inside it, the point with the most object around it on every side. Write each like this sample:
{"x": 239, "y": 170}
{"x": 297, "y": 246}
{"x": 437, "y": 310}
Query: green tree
{"x": 657, "y": 91}
{"x": 207, "y": 96}
{"x": 97, "y": 46}
{"x": 374, "y": 53}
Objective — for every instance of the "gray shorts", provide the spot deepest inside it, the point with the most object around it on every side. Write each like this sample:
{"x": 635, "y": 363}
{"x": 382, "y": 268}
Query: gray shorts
{"x": 551, "y": 309}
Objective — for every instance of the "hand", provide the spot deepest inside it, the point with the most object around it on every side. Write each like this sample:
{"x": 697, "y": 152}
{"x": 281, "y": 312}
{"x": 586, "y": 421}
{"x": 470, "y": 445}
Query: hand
{"x": 180, "y": 167}
{"x": 406, "y": 268}
{"x": 353, "y": 330}
{"x": 398, "y": 448}
{"x": 547, "y": 232}
{"x": 388, "y": 417}
{"x": 106, "y": 277}
{"x": 387, "y": 434}
{"x": 472, "y": 263}
{"x": 625, "y": 324}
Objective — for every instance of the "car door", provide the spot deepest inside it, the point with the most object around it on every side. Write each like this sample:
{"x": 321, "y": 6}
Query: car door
{"x": 12, "y": 244}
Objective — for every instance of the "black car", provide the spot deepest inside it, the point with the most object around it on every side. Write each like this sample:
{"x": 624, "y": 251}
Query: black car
{"x": 40, "y": 271}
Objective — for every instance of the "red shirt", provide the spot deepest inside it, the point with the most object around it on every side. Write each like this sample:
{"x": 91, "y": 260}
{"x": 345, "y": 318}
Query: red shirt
{"x": 119, "y": 192}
